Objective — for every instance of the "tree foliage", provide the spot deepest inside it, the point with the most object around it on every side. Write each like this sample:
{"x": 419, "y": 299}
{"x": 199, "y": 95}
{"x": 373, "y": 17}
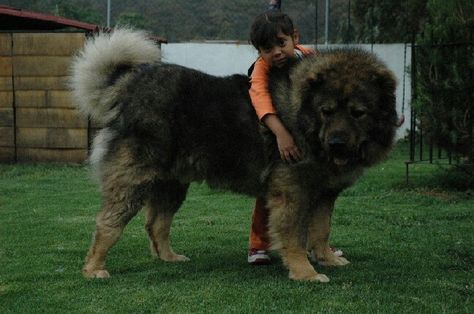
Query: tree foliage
{"x": 384, "y": 21}
{"x": 81, "y": 10}
{"x": 133, "y": 19}
{"x": 445, "y": 65}
{"x": 184, "y": 20}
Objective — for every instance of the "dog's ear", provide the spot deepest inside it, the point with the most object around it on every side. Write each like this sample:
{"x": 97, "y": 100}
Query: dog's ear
{"x": 385, "y": 80}
{"x": 315, "y": 80}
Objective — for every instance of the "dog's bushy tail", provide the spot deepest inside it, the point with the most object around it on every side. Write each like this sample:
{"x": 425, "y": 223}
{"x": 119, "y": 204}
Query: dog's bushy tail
{"x": 99, "y": 70}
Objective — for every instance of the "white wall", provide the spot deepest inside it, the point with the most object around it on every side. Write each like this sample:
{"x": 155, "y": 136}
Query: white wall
{"x": 223, "y": 59}
{"x": 212, "y": 58}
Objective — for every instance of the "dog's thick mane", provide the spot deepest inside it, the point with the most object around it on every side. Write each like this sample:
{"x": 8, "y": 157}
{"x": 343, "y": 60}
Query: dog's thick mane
{"x": 293, "y": 87}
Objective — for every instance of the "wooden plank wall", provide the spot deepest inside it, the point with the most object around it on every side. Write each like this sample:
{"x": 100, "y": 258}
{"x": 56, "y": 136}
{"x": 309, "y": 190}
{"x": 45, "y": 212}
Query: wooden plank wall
{"x": 38, "y": 119}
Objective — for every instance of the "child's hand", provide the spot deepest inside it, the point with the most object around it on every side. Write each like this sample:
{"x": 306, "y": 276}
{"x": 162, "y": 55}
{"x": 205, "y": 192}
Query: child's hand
{"x": 289, "y": 152}
{"x": 286, "y": 145}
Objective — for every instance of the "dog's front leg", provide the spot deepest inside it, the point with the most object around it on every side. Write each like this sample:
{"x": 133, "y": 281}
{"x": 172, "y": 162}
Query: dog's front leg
{"x": 287, "y": 203}
{"x": 319, "y": 230}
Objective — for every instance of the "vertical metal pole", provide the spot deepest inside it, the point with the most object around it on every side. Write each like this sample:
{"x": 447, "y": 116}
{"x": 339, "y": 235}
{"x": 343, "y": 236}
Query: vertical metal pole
{"x": 15, "y": 146}
{"x": 412, "y": 110}
{"x": 108, "y": 13}
{"x": 413, "y": 99}
{"x": 407, "y": 174}
{"x": 372, "y": 37}
{"x": 420, "y": 130}
{"x": 470, "y": 157}
{"x": 315, "y": 24}
{"x": 431, "y": 151}
{"x": 349, "y": 33}
{"x": 326, "y": 27}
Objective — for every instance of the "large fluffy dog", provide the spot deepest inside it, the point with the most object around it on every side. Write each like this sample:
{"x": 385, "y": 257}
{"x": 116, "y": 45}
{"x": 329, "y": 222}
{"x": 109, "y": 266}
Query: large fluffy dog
{"x": 167, "y": 126}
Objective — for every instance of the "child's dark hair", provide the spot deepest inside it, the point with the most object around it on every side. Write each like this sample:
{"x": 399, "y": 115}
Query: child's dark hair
{"x": 266, "y": 26}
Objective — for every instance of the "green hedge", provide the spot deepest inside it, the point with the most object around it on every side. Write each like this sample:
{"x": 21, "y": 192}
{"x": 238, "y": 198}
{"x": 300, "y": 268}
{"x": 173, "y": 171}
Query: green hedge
{"x": 445, "y": 65}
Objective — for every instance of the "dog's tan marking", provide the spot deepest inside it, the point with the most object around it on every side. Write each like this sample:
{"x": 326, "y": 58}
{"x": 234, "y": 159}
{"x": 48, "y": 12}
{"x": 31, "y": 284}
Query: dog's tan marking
{"x": 287, "y": 206}
{"x": 319, "y": 233}
{"x": 104, "y": 238}
{"x": 121, "y": 181}
{"x": 158, "y": 226}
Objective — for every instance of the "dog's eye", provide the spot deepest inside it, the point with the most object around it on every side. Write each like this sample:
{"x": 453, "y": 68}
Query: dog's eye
{"x": 357, "y": 113}
{"x": 326, "y": 111}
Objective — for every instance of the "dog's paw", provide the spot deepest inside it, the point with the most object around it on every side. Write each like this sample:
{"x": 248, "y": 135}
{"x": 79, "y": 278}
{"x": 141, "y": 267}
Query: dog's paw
{"x": 174, "y": 258}
{"x": 320, "y": 278}
{"x": 313, "y": 276}
{"x": 334, "y": 261}
{"x": 100, "y": 274}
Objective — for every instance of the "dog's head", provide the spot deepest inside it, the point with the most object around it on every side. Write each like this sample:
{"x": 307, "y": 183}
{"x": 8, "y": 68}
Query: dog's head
{"x": 345, "y": 105}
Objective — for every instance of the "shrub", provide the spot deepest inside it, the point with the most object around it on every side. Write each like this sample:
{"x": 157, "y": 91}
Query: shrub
{"x": 445, "y": 63}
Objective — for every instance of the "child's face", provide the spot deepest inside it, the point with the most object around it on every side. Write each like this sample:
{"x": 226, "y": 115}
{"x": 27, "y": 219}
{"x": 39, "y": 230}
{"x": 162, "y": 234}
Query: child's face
{"x": 279, "y": 54}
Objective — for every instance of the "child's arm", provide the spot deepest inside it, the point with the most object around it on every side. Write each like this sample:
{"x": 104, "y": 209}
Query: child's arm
{"x": 286, "y": 145}
{"x": 262, "y": 102}
{"x": 259, "y": 92}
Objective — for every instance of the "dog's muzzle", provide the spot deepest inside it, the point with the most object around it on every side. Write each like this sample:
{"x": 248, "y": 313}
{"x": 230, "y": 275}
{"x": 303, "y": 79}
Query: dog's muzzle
{"x": 340, "y": 149}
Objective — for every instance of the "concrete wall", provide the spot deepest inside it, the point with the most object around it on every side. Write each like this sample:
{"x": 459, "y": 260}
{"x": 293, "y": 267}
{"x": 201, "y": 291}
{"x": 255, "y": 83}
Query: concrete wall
{"x": 223, "y": 59}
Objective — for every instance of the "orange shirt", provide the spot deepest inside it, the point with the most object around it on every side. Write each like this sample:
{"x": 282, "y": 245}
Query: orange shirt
{"x": 259, "y": 93}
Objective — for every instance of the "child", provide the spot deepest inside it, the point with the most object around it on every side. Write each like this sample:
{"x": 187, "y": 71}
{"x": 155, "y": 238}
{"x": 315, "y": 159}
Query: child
{"x": 276, "y": 40}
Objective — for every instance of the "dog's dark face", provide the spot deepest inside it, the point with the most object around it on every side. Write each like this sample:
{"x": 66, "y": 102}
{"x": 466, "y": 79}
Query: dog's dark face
{"x": 350, "y": 108}
{"x": 344, "y": 127}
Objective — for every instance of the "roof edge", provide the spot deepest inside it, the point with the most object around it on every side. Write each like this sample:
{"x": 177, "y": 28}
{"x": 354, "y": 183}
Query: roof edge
{"x": 11, "y": 11}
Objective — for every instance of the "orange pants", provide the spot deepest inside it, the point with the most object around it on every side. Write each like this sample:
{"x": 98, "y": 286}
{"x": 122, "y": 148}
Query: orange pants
{"x": 258, "y": 238}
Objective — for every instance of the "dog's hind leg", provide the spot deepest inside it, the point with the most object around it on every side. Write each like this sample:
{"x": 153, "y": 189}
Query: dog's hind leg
{"x": 318, "y": 233}
{"x": 110, "y": 222}
{"x": 165, "y": 200}
{"x": 123, "y": 191}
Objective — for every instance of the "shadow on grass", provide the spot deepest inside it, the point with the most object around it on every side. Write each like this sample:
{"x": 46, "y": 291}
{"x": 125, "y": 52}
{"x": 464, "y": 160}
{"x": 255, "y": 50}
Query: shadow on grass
{"x": 449, "y": 178}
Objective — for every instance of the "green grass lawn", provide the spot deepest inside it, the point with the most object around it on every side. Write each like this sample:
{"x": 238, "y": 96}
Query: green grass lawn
{"x": 411, "y": 249}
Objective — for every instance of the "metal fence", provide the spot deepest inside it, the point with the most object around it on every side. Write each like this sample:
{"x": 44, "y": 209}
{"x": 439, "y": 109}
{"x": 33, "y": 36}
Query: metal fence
{"x": 422, "y": 148}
